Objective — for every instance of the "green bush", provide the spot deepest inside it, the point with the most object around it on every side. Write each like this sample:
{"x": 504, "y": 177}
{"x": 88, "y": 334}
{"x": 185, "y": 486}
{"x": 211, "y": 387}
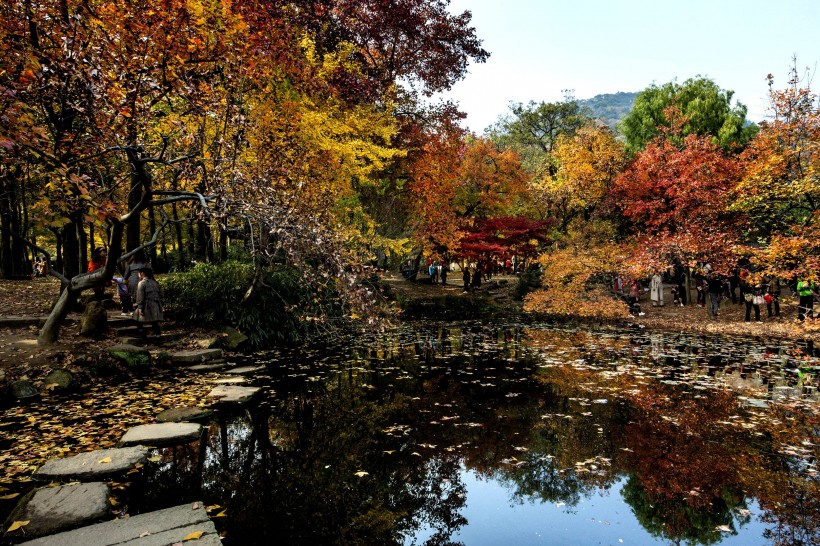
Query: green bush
{"x": 214, "y": 295}
{"x": 529, "y": 281}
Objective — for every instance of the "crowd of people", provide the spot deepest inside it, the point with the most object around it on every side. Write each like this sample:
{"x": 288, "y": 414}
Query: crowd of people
{"x": 711, "y": 290}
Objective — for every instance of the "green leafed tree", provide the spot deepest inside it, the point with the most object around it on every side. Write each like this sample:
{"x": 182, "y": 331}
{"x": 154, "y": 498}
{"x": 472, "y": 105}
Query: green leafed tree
{"x": 706, "y": 108}
{"x": 533, "y": 129}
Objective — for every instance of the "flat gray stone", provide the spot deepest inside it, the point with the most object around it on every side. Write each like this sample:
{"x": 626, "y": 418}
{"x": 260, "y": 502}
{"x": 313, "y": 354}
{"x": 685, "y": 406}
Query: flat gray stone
{"x": 235, "y": 380}
{"x": 232, "y": 394}
{"x": 196, "y": 356}
{"x": 93, "y": 465}
{"x": 242, "y": 370}
{"x": 160, "y": 528}
{"x": 161, "y": 434}
{"x": 175, "y": 415}
{"x": 205, "y": 368}
{"x": 56, "y": 509}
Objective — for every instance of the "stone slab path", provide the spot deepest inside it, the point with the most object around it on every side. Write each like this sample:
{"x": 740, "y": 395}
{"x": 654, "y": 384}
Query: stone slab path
{"x": 161, "y": 434}
{"x": 232, "y": 394}
{"x": 243, "y": 370}
{"x": 173, "y": 415}
{"x": 235, "y": 380}
{"x": 160, "y": 528}
{"x": 93, "y": 465}
{"x": 196, "y": 356}
{"x": 205, "y": 368}
{"x": 55, "y": 509}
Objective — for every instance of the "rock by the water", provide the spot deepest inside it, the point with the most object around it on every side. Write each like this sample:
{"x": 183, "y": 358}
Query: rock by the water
{"x": 95, "y": 320}
{"x": 196, "y": 356}
{"x": 131, "y": 355}
{"x": 161, "y": 434}
{"x": 55, "y": 509}
{"x": 233, "y": 339}
{"x": 174, "y": 415}
{"x": 232, "y": 394}
{"x": 159, "y": 528}
{"x": 93, "y": 465}
{"x": 22, "y": 390}
{"x": 58, "y": 378}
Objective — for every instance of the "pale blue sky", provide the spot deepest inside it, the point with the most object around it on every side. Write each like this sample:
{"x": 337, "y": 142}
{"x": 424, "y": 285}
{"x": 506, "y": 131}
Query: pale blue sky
{"x": 541, "y": 47}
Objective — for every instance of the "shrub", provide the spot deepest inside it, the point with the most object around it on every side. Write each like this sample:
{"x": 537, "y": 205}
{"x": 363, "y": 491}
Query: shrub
{"x": 214, "y": 295}
{"x": 529, "y": 280}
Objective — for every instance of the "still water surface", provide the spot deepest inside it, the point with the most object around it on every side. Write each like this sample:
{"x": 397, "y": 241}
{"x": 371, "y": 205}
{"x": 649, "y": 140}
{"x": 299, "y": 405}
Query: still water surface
{"x": 487, "y": 434}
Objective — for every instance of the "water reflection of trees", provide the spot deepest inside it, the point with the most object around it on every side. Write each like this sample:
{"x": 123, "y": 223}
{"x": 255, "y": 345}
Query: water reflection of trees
{"x": 374, "y": 452}
{"x": 694, "y": 455}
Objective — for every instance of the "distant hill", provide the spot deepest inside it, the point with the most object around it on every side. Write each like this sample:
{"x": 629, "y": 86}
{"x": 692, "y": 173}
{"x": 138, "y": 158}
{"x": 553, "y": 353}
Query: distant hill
{"x": 610, "y": 108}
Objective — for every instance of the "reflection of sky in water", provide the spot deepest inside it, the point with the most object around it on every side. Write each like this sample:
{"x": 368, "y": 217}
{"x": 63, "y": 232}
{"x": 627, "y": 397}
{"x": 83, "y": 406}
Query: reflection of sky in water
{"x": 601, "y": 518}
{"x": 561, "y": 435}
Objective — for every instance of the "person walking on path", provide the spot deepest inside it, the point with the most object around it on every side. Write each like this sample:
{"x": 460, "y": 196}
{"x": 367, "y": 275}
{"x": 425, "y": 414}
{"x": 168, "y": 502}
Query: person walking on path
{"x": 656, "y": 289}
{"x": 715, "y": 286}
{"x": 131, "y": 275}
{"x": 445, "y": 268}
{"x": 98, "y": 259}
{"x": 806, "y": 291}
{"x": 465, "y": 276}
{"x": 149, "y": 302}
{"x": 772, "y": 297}
{"x": 634, "y": 296}
{"x": 753, "y": 296}
{"x": 126, "y": 305}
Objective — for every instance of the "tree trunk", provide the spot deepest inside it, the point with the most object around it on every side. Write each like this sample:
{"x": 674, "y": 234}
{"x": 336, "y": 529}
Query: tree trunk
{"x": 178, "y": 232}
{"x": 223, "y": 245}
{"x": 152, "y": 227}
{"x": 51, "y": 329}
{"x": 71, "y": 251}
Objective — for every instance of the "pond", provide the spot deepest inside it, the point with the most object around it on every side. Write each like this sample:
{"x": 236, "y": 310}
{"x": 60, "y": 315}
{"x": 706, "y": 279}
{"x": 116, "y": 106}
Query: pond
{"x": 484, "y": 434}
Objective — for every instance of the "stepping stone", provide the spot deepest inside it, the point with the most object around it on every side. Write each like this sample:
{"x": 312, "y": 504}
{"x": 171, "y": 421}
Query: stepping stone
{"x": 161, "y": 434}
{"x": 150, "y": 340}
{"x": 160, "y": 528}
{"x": 242, "y": 370}
{"x": 231, "y": 394}
{"x": 19, "y": 322}
{"x": 93, "y": 465}
{"x": 196, "y": 356}
{"x": 175, "y": 415}
{"x": 55, "y": 509}
{"x": 205, "y": 368}
{"x": 236, "y": 380}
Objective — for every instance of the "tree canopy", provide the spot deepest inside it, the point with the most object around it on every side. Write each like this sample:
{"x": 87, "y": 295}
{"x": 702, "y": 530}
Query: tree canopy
{"x": 703, "y": 109}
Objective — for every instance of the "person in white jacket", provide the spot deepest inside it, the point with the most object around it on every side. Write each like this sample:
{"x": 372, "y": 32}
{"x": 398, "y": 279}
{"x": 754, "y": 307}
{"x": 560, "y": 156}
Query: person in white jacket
{"x": 656, "y": 289}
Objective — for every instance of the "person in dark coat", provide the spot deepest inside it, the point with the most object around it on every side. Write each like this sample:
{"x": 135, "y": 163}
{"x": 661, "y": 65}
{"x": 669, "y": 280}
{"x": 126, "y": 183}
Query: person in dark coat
{"x": 149, "y": 302}
{"x": 131, "y": 275}
{"x": 465, "y": 276}
{"x": 715, "y": 286}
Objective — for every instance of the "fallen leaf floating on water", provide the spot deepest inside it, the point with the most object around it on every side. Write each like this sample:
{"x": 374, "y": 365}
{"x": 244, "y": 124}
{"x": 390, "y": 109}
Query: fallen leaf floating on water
{"x": 193, "y": 536}
{"x": 723, "y": 529}
{"x": 361, "y": 473}
{"x": 10, "y": 496}
{"x": 16, "y": 525}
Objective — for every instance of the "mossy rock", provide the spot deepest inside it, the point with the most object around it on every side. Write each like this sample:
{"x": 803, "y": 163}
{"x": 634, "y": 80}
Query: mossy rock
{"x": 132, "y": 357}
